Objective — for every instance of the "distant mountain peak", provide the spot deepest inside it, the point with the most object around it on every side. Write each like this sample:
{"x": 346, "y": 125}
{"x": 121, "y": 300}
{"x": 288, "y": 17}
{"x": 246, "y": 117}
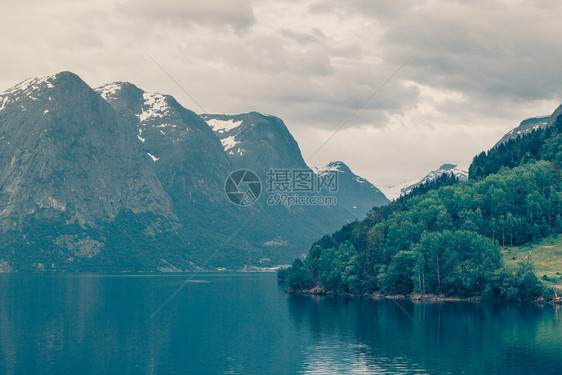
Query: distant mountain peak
{"x": 255, "y": 139}
{"x": 351, "y": 187}
{"x": 338, "y": 166}
{"x": 395, "y": 191}
{"x": 33, "y": 88}
{"x": 527, "y": 126}
{"x": 30, "y": 85}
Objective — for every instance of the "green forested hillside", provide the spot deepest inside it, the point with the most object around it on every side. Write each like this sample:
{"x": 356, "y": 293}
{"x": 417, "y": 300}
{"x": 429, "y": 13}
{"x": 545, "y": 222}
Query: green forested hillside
{"x": 447, "y": 240}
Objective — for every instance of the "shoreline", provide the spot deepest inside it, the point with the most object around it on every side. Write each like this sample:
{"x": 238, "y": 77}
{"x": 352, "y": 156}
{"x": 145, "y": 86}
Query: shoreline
{"x": 415, "y": 297}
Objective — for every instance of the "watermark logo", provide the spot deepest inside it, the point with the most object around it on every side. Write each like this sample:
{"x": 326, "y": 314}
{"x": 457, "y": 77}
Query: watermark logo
{"x": 286, "y": 187}
{"x": 301, "y": 181}
{"x": 243, "y": 187}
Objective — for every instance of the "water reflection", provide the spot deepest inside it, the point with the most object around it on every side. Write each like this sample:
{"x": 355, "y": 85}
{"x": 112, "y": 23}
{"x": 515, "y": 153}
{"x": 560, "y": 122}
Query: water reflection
{"x": 81, "y": 324}
{"x": 449, "y": 337}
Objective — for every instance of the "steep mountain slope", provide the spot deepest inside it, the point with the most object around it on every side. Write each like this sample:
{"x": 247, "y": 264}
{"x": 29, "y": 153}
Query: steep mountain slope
{"x": 52, "y": 158}
{"x": 184, "y": 153}
{"x": 189, "y": 161}
{"x": 67, "y": 158}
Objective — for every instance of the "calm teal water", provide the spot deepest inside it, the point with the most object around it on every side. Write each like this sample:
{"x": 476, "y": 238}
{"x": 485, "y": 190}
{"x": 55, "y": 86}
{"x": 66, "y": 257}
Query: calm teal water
{"x": 245, "y": 324}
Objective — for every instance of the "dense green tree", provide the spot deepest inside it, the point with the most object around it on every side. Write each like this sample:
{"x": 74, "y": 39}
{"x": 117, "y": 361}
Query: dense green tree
{"x": 518, "y": 283}
{"x": 398, "y": 277}
{"x": 299, "y": 276}
{"x": 456, "y": 263}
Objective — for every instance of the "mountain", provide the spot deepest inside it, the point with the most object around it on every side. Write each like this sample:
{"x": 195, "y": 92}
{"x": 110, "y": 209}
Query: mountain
{"x": 395, "y": 191}
{"x": 263, "y": 144}
{"x": 260, "y": 143}
{"x": 355, "y": 194}
{"x": 257, "y": 141}
{"x": 460, "y": 172}
{"x": 62, "y": 145}
{"x": 525, "y": 127}
{"x": 116, "y": 178}
{"x": 69, "y": 170}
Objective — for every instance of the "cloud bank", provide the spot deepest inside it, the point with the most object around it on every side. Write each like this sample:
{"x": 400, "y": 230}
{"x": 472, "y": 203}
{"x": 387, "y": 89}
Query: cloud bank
{"x": 476, "y": 68}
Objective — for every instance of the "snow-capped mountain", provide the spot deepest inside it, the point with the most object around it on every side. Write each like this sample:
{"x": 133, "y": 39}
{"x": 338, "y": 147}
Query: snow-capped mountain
{"x": 256, "y": 141}
{"x": 395, "y": 191}
{"x": 260, "y": 142}
{"x": 186, "y": 154}
{"x": 355, "y": 194}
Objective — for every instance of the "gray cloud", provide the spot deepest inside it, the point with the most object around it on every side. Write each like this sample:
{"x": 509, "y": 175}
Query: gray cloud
{"x": 235, "y": 13}
{"x": 477, "y": 68}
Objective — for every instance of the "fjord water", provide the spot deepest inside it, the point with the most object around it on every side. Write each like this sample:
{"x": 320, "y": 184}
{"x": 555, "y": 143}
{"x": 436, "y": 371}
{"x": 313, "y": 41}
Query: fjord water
{"x": 246, "y": 324}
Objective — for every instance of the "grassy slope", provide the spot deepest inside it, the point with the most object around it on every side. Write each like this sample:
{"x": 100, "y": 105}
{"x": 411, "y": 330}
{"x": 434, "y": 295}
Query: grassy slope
{"x": 545, "y": 254}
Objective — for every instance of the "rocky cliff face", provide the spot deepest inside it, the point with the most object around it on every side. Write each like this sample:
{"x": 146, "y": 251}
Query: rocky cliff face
{"x": 183, "y": 150}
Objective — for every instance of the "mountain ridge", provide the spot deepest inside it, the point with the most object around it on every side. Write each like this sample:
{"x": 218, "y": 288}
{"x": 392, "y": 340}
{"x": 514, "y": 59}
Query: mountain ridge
{"x": 116, "y": 178}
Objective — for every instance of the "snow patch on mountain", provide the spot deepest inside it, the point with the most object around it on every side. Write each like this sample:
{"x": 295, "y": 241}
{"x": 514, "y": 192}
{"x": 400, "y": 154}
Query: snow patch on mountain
{"x": 154, "y": 158}
{"x": 229, "y": 143}
{"x": 222, "y": 126}
{"x": 361, "y": 180}
{"x": 109, "y": 90}
{"x": 30, "y": 88}
{"x": 461, "y": 172}
{"x": 154, "y": 106}
{"x": 3, "y": 101}
{"x": 30, "y": 85}
{"x": 334, "y": 166}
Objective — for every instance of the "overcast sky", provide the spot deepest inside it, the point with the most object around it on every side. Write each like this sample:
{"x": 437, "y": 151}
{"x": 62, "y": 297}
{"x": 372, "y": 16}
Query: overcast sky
{"x": 474, "y": 69}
